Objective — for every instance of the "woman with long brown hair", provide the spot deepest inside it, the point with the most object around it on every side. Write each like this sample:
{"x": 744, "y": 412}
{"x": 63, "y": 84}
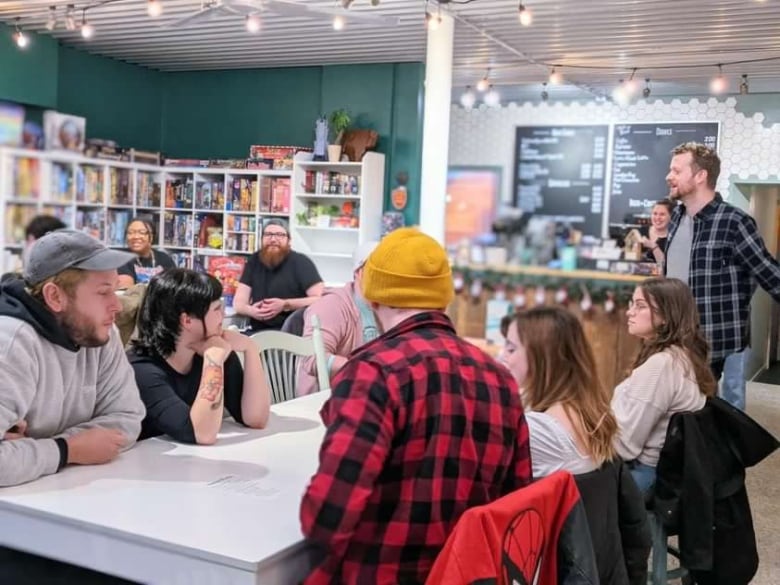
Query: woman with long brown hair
{"x": 671, "y": 373}
{"x": 570, "y": 421}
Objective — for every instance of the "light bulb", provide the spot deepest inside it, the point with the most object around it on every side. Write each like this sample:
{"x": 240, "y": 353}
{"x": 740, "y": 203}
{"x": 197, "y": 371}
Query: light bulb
{"x": 632, "y": 87}
{"x": 620, "y": 95}
{"x": 154, "y": 8}
{"x": 525, "y": 15}
{"x": 253, "y": 23}
{"x": 555, "y": 77}
{"x": 432, "y": 21}
{"x": 482, "y": 84}
{"x": 492, "y": 98}
{"x": 21, "y": 39}
{"x": 719, "y": 84}
{"x": 87, "y": 30}
{"x": 468, "y": 99}
{"x": 338, "y": 22}
{"x": 51, "y": 23}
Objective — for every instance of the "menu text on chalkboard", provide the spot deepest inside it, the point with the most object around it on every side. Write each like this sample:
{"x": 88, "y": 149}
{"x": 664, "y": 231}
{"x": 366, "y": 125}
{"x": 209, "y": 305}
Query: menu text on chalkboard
{"x": 640, "y": 162}
{"x": 560, "y": 173}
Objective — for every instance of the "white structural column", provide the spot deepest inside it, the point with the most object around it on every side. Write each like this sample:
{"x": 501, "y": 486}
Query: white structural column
{"x": 436, "y": 128}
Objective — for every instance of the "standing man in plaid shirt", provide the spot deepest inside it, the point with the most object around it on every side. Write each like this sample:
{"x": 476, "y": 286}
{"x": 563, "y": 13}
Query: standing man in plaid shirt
{"x": 421, "y": 425}
{"x": 716, "y": 249}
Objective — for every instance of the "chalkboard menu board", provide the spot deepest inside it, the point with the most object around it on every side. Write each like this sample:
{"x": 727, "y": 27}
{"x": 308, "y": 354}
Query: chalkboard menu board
{"x": 640, "y": 163}
{"x": 560, "y": 173}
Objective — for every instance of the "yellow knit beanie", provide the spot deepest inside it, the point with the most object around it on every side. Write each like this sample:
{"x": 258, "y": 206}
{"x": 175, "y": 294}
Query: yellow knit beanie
{"x": 410, "y": 270}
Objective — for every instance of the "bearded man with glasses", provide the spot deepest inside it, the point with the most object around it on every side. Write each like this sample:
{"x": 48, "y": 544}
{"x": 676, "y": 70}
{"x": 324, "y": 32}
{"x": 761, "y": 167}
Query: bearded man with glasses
{"x": 276, "y": 281}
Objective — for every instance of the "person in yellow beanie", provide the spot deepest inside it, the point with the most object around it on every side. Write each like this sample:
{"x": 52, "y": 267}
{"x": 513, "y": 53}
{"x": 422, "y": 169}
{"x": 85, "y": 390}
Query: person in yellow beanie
{"x": 421, "y": 425}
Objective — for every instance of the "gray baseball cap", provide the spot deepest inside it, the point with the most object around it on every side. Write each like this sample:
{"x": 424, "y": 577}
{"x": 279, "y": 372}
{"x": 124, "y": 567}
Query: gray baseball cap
{"x": 63, "y": 249}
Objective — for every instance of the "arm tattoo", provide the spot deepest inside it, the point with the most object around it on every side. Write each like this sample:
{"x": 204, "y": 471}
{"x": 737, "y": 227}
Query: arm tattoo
{"x": 212, "y": 383}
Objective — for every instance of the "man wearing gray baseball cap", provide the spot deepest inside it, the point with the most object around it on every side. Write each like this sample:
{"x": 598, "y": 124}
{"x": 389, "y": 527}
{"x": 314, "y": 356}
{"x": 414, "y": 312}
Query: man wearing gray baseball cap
{"x": 67, "y": 391}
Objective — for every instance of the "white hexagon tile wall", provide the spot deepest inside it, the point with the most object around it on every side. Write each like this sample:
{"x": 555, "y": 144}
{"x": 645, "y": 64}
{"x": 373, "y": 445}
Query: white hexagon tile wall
{"x": 749, "y": 150}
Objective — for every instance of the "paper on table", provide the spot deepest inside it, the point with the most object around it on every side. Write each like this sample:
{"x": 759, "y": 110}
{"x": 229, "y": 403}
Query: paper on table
{"x": 249, "y": 487}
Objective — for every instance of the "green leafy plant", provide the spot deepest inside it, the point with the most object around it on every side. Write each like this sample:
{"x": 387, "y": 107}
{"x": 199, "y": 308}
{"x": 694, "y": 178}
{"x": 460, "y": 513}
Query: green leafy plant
{"x": 338, "y": 121}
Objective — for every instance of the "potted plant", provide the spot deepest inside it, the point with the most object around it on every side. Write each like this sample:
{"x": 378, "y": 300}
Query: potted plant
{"x": 338, "y": 121}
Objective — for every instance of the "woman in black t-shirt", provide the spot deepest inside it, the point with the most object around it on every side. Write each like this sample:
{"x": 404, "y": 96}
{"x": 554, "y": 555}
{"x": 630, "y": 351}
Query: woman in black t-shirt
{"x": 655, "y": 236}
{"x": 186, "y": 366}
{"x": 139, "y": 236}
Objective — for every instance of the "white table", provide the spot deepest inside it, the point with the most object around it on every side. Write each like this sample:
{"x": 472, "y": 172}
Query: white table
{"x": 164, "y": 512}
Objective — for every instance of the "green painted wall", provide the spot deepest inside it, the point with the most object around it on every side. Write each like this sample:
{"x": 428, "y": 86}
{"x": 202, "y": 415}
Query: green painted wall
{"x": 28, "y": 76}
{"x": 216, "y": 114}
{"x": 121, "y": 102}
{"x": 406, "y": 147}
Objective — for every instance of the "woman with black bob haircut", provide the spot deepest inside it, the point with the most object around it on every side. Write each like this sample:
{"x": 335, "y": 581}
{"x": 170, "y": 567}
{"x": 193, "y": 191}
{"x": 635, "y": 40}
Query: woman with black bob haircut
{"x": 186, "y": 366}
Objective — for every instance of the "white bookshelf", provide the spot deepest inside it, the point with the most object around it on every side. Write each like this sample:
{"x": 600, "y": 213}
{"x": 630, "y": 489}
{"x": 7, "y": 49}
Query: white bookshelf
{"x": 101, "y": 196}
{"x": 332, "y": 232}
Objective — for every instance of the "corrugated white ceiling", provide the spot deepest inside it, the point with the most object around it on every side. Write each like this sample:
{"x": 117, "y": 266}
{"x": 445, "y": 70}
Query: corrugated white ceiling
{"x": 597, "y": 42}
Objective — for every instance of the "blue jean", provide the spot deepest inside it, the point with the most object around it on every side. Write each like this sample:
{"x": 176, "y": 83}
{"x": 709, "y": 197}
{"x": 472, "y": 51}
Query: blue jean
{"x": 732, "y": 384}
{"x": 644, "y": 476}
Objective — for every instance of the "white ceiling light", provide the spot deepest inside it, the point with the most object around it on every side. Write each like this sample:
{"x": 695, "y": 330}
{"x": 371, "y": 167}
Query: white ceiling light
{"x": 620, "y": 96}
{"x": 525, "y": 15}
{"x": 21, "y": 39}
{"x": 87, "y": 30}
{"x": 483, "y": 84}
{"x": 555, "y": 77}
{"x": 719, "y": 84}
{"x": 154, "y": 8}
{"x": 51, "y": 23}
{"x": 70, "y": 20}
{"x": 468, "y": 99}
{"x": 492, "y": 98}
{"x": 339, "y": 22}
{"x": 253, "y": 23}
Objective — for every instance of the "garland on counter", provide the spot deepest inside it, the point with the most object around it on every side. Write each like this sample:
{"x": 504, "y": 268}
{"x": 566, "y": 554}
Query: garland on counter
{"x": 514, "y": 287}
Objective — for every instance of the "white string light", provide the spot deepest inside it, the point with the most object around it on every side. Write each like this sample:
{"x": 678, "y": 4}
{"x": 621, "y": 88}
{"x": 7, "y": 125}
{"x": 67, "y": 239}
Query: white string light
{"x": 339, "y": 22}
{"x": 492, "y": 98}
{"x": 483, "y": 84}
{"x": 154, "y": 8}
{"x": 253, "y": 23}
{"x": 467, "y": 98}
{"x": 525, "y": 15}
{"x": 719, "y": 84}
{"x": 70, "y": 20}
{"x": 21, "y": 39}
{"x": 87, "y": 30}
{"x": 51, "y": 23}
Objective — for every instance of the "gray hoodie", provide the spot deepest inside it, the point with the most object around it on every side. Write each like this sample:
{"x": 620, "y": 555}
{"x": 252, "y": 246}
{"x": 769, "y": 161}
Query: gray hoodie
{"x": 59, "y": 388}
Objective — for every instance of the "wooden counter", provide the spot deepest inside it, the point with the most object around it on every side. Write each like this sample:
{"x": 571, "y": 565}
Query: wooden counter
{"x": 613, "y": 347}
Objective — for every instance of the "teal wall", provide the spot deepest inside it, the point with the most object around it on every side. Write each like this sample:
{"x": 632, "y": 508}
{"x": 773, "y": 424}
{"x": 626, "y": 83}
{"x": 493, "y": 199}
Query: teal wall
{"x": 219, "y": 114}
{"x": 215, "y": 114}
{"x": 28, "y": 76}
{"x": 121, "y": 102}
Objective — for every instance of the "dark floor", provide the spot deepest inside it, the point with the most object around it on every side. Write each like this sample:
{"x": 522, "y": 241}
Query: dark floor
{"x": 771, "y": 375}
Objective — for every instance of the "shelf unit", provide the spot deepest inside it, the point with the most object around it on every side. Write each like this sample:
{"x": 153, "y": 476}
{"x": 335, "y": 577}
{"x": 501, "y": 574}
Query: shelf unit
{"x": 341, "y": 204}
{"x": 101, "y": 196}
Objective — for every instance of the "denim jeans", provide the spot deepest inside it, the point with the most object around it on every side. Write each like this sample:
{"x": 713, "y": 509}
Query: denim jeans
{"x": 644, "y": 476}
{"x": 732, "y": 384}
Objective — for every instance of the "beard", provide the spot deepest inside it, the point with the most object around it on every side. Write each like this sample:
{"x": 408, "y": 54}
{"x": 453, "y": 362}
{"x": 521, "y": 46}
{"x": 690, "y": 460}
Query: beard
{"x": 80, "y": 331}
{"x": 273, "y": 257}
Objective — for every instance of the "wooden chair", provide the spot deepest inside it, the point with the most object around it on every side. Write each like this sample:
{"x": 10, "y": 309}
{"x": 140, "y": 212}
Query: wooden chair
{"x": 281, "y": 354}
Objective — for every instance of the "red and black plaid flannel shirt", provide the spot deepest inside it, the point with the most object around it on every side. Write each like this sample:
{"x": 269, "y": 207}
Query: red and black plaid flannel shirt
{"x": 421, "y": 426}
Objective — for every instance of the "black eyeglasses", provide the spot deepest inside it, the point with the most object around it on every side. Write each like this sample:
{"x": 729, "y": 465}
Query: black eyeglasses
{"x": 277, "y": 235}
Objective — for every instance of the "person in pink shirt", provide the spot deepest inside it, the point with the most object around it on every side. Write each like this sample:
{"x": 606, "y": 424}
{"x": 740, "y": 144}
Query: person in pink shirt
{"x": 346, "y": 321}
